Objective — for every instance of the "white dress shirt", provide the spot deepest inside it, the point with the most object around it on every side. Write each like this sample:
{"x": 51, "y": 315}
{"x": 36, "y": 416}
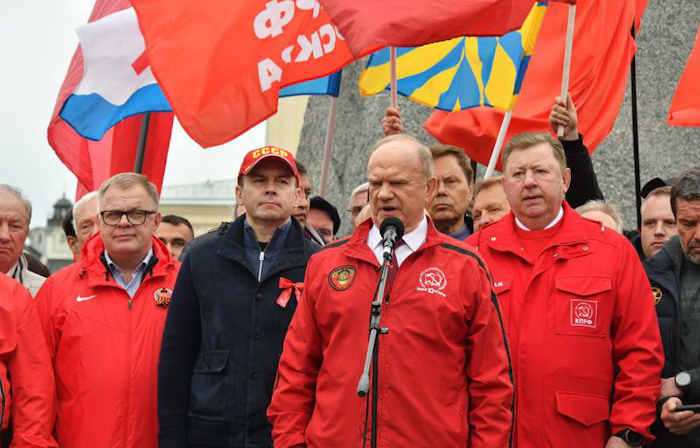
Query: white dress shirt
{"x": 549, "y": 226}
{"x": 412, "y": 241}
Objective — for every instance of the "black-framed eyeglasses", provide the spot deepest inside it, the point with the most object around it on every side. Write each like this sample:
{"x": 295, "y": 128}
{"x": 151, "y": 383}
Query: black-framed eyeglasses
{"x": 135, "y": 217}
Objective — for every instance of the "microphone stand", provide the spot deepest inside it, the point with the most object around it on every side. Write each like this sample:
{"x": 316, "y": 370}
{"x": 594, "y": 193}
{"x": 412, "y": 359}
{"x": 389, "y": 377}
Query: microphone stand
{"x": 373, "y": 346}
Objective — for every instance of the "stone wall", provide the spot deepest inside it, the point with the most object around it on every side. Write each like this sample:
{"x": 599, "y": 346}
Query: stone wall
{"x": 664, "y": 43}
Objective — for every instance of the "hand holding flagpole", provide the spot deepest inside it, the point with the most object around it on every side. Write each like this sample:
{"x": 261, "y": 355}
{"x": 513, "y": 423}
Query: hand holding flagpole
{"x": 567, "y": 59}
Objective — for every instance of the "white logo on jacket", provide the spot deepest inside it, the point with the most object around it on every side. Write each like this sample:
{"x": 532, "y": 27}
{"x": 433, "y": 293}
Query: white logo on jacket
{"x": 584, "y": 313}
{"x": 432, "y": 281}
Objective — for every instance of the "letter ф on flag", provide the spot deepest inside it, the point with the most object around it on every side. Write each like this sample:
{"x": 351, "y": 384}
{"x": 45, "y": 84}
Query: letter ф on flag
{"x": 221, "y": 63}
{"x": 411, "y": 23}
{"x": 118, "y": 82}
{"x": 602, "y": 52}
{"x": 460, "y": 73}
{"x": 93, "y": 162}
{"x": 685, "y": 105}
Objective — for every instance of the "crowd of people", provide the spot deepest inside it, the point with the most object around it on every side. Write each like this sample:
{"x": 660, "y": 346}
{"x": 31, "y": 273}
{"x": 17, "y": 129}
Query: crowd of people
{"x": 518, "y": 310}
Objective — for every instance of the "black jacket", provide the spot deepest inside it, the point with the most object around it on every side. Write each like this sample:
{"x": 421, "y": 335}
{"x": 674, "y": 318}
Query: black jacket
{"x": 223, "y": 337}
{"x": 664, "y": 278}
{"x": 584, "y": 183}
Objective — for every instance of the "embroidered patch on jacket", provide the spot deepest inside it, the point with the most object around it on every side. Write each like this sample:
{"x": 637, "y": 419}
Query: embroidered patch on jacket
{"x": 342, "y": 277}
{"x": 584, "y": 313}
{"x": 432, "y": 281}
{"x": 658, "y": 295}
{"x": 163, "y": 296}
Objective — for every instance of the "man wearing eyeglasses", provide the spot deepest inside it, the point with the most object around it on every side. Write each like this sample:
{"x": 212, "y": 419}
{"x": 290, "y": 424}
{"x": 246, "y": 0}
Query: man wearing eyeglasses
{"x": 103, "y": 319}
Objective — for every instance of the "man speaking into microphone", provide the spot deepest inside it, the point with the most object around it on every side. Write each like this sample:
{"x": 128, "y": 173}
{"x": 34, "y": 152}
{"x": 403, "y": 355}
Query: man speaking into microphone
{"x": 444, "y": 371}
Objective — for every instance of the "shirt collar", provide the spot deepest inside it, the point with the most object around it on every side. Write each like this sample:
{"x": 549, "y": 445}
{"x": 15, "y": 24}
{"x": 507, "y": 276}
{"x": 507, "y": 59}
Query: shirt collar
{"x": 114, "y": 267}
{"x": 549, "y": 226}
{"x": 413, "y": 239}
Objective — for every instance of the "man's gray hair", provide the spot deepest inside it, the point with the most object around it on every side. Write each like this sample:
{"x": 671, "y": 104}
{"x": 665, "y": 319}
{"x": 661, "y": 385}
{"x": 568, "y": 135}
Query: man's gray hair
{"x": 603, "y": 207}
{"x": 124, "y": 181}
{"x": 359, "y": 189}
{"x": 78, "y": 205}
{"x": 423, "y": 152}
{"x": 5, "y": 188}
{"x": 686, "y": 187}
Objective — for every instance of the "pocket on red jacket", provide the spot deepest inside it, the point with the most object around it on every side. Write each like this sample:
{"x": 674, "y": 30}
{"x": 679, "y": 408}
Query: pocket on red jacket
{"x": 585, "y": 409}
{"x": 582, "y": 306}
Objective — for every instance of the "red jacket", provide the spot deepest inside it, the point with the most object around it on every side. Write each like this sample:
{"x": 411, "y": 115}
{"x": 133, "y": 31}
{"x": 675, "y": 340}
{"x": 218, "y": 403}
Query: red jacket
{"x": 27, "y": 388}
{"x": 105, "y": 354}
{"x": 444, "y": 371}
{"x": 584, "y": 340}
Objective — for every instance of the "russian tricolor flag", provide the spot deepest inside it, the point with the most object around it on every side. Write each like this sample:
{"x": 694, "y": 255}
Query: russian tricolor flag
{"x": 117, "y": 81}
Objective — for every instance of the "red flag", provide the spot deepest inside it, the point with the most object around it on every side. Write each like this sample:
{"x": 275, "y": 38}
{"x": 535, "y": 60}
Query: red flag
{"x": 602, "y": 52}
{"x": 411, "y": 23}
{"x": 685, "y": 105}
{"x": 93, "y": 162}
{"x": 221, "y": 63}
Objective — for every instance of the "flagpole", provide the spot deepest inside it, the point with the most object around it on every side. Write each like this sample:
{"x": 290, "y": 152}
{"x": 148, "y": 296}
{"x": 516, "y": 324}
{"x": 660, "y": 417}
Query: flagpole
{"x": 328, "y": 147}
{"x": 394, "y": 96}
{"x": 635, "y": 138}
{"x": 141, "y": 148}
{"x": 567, "y": 61}
{"x": 499, "y": 144}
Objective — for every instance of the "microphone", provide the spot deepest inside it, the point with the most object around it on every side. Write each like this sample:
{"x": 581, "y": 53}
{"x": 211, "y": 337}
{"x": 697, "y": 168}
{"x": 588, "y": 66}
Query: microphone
{"x": 391, "y": 230}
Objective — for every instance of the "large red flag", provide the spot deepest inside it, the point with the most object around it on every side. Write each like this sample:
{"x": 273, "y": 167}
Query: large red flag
{"x": 93, "y": 162}
{"x": 685, "y": 105}
{"x": 412, "y": 23}
{"x": 603, "y": 48}
{"x": 221, "y": 63}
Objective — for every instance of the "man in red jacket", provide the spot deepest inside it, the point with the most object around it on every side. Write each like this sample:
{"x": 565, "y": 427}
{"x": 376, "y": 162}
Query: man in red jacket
{"x": 444, "y": 374}
{"x": 578, "y": 310}
{"x": 103, "y": 319}
{"x": 27, "y": 388}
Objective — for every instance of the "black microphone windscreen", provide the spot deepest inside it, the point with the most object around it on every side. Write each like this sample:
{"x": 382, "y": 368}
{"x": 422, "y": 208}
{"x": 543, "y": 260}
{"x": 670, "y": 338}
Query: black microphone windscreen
{"x": 395, "y": 222}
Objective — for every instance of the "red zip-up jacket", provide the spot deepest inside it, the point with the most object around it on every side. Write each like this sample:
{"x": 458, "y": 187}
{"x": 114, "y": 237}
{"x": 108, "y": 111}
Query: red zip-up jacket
{"x": 582, "y": 328}
{"x": 105, "y": 349}
{"x": 27, "y": 388}
{"x": 443, "y": 366}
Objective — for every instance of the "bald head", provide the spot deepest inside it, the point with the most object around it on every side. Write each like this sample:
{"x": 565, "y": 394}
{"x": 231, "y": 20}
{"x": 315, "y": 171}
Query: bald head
{"x": 400, "y": 173}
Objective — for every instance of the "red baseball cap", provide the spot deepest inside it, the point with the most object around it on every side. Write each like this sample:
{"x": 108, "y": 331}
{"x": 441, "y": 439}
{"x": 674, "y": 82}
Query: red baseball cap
{"x": 255, "y": 156}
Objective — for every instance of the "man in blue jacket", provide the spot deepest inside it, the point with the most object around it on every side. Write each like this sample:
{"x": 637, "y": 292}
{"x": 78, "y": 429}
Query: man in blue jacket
{"x": 233, "y": 301}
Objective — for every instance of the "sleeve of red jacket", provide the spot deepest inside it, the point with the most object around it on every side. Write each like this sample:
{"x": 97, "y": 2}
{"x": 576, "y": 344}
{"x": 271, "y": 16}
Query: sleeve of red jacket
{"x": 32, "y": 380}
{"x": 48, "y": 316}
{"x": 637, "y": 350}
{"x": 294, "y": 396}
{"x": 491, "y": 399}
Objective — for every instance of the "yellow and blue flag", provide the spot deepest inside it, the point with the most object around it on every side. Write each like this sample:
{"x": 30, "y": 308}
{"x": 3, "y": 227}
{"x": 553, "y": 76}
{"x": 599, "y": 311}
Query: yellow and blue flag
{"x": 460, "y": 73}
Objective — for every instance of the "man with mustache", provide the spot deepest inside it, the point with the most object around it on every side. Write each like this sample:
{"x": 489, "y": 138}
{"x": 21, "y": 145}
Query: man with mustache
{"x": 232, "y": 304}
{"x": 674, "y": 273}
{"x": 586, "y": 350}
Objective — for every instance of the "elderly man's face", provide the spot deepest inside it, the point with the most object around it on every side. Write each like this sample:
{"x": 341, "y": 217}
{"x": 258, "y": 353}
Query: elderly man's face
{"x": 86, "y": 222}
{"x": 126, "y": 241}
{"x": 490, "y": 205}
{"x": 451, "y": 199}
{"x": 658, "y": 224}
{"x": 357, "y": 203}
{"x": 397, "y": 183}
{"x": 323, "y": 224}
{"x": 535, "y": 185}
{"x": 14, "y": 228}
{"x": 688, "y": 225}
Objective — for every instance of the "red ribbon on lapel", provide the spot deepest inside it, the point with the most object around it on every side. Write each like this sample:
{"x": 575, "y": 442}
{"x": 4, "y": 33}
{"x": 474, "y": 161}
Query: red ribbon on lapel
{"x": 287, "y": 287}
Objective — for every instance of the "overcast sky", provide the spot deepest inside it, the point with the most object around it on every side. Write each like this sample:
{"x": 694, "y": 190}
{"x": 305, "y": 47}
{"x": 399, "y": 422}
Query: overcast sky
{"x": 37, "y": 41}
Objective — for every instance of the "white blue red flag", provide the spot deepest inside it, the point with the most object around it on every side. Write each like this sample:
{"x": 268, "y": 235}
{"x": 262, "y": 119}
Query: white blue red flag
{"x": 327, "y": 85}
{"x": 117, "y": 81}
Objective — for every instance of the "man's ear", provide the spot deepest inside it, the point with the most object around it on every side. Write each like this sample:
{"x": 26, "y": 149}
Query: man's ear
{"x": 567, "y": 179}
{"x": 73, "y": 245}
{"x": 157, "y": 221}
{"x": 432, "y": 187}
{"x": 297, "y": 197}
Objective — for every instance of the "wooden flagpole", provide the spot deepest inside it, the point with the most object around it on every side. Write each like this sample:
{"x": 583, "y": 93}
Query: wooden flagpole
{"x": 394, "y": 91}
{"x": 567, "y": 60}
